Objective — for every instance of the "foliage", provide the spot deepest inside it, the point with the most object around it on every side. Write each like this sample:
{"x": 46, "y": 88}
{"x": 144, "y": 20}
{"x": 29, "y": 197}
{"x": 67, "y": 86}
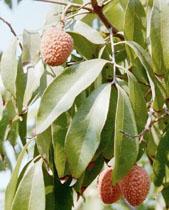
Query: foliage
{"x": 109, "y": 101}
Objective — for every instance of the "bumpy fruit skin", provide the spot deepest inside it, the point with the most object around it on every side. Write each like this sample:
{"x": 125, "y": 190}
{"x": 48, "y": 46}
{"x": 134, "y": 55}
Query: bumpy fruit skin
{"x": 56, "y": 46}
{"x": 135, "y": 186}
{"x": 107, "y": 192}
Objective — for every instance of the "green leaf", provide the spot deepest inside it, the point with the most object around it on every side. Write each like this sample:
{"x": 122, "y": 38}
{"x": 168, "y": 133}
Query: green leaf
{"x": 44, "y": 141}
{"x": 158, "y": 92}
{"x": 125, "y": 143}
{"x": 107, "y": 136}
{"x": 115, "y": 12}
{"x": 87, "y": 41}
{"x": 59, "y": 130}
{"x": 161, "y": 162}
{"x": 34, "y": 76}
{"x": 138, "y": 102}
{"x": 159, "y": 36}
{"x": 11, "y": 188}
{"x": 134, "y": 27}
{"x": 20, "y": 86}
{"x": 9, "y": 67}
{"x": 31, "y": 47}
{"x": 30, "y": 194}
{"x": 83, "y": 136}
{"x": 61, "y": 93}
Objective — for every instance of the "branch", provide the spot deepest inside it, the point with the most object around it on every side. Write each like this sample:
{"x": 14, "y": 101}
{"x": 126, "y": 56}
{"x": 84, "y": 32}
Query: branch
{"x": 12, "y": 30}
{"x": 99, "y": 11}
{"x": 60, "y": 2}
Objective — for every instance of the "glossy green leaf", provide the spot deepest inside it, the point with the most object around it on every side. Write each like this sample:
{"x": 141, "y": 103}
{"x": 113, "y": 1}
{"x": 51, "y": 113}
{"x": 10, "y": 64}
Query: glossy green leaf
{"x": 59, "y": 130}
{"x": 11, "y": 188}
{"x": 87, "y": 41}
{"x": 20, "y": 86}
{"x": 134, "y": 27}
{"x": 158, "y": 92}
{"x": 30, "y": 194}
{"x": 44, "y": 142}
{"x": 107, "y": 135}
{"x": 9, "y": 67}
{"x": 125, "y": 143}
{"x": 115, "y": 12}
{"x": 159, "y": 36}
{"x": 83, "y": 136}
{"x": 61, "y": 93}
{"x": 138, "y": 102}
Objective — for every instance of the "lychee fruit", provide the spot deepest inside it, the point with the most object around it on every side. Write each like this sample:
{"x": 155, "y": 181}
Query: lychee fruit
{"x": 107, "y": 192}
{"x": 135, "y": 186}
{"x": 56, "y": 46}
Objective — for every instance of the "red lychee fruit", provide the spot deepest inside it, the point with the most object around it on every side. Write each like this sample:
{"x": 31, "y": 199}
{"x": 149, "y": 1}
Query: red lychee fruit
{"x": 107, "y": 192}
{"x": 135, "y": 186}
{"x": 56, "y": 46}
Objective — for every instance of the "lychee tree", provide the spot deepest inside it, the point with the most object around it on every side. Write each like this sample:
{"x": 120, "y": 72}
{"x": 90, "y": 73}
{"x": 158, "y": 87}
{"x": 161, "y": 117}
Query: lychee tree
{"x": 89, "y": 89}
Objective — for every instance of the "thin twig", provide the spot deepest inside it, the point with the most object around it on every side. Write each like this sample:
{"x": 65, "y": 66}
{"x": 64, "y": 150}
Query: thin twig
{"x": 77, "y": 14}
{"x": 11, "y": 29}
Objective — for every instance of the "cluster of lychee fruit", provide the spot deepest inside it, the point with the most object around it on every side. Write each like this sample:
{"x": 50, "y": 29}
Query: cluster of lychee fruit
{"x": 56, "y": 46}
{"x": 134, "y": 187}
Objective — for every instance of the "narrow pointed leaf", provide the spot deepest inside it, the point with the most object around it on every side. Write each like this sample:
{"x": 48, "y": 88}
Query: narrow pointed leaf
{"x": 134, "y": 27}
{"x": 59, "y": 130}
{"x": 61, "y": 93}
{"x": 9, "y": 68}
{"x": 11, "y": 188}
{"x": 30, "y": 194}
{"x": 157, "y": 90}
{"x": 126, "y": 143}
{"x": 83, "y": 137}
{"x": 44, "y": 141}
{"x": 159, "y": 35}
{"x": 138, "y": 102}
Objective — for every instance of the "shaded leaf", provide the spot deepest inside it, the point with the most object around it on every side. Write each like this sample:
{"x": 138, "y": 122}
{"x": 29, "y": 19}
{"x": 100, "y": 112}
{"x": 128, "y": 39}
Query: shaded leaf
{"x": 107, "y": 135}
{"x": 20, "y": 86}
{"x": 161, "y": 162}
{"x": 44, "y": 141}
{"x": 59, "y": 130}
{"x": 125, "y": 143}
{"x": 83, "y": 136}
{"x": 138, "y": 102}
